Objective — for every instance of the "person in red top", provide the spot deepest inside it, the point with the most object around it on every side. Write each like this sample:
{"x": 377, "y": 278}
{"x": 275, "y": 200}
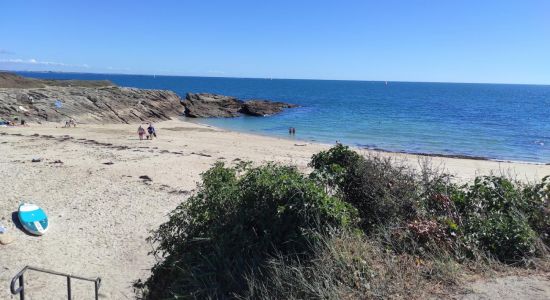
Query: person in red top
{"x": 141, "y": 132}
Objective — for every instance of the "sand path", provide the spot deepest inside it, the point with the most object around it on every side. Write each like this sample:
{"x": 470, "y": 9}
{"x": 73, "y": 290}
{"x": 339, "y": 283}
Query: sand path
{"x": 509, "y": 288}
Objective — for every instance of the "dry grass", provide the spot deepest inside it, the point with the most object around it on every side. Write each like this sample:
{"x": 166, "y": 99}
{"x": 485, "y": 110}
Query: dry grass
{"x": 351, "y": 266}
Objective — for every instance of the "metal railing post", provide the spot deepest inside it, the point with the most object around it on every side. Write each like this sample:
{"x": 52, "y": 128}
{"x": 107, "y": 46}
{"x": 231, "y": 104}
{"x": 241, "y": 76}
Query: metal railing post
{"x": 69, "y": 287}
{"x": 22, "y": 287}
{"x": 96, "y": 285}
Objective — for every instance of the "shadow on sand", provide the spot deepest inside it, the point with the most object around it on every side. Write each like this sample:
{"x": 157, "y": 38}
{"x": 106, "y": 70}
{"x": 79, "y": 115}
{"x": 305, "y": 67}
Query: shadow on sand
{"x": 18, "y": 225}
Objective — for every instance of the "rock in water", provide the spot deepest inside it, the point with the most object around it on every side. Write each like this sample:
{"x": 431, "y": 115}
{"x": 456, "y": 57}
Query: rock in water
{"x": 262, "y": 108}
{"x": 211, "y": 105}
{"x": 85, "y": 101}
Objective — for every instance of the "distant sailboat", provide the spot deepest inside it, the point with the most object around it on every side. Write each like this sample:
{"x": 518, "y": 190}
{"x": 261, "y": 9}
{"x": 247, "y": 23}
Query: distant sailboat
{"x": 386, "y": 83}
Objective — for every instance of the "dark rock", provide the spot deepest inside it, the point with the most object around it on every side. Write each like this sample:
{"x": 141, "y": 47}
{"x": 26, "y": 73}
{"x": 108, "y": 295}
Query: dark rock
{"x": 262, "y": 108}
{"x": 201, "y": 154}
{"x": 219, "y": 106}
{"x": 211, "y": 105}
{"x": 145, "y": 178}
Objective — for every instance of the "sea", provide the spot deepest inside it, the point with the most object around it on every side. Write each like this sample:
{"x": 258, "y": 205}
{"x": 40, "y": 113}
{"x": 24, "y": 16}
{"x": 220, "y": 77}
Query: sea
{"x": 492, "y": 121}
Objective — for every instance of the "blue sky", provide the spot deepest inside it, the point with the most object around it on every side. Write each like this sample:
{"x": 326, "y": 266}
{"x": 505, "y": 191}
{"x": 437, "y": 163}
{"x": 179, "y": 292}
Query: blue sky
{"x": 454, "y": 41}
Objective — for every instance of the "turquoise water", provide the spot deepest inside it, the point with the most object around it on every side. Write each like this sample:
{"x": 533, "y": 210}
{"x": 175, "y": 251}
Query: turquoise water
{"x": 495, "y": 121}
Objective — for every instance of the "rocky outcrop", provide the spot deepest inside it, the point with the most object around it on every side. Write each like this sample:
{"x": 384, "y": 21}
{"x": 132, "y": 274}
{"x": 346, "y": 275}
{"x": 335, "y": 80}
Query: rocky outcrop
{"x": 211, "y": 105}
{"x": 37, "y": 100}
{"x": 85, "y": 101}
{"x": 262, "y": 108}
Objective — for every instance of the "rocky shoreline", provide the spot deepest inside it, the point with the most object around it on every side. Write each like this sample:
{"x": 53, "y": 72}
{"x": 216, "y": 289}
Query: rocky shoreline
{"x": 38, "y": 101}
{"x": 90, "y": 101}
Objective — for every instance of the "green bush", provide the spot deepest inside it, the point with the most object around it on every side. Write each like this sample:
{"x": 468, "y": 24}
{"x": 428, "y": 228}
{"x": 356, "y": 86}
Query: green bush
{"x": 507, "y": 237}
{"x": 237, "y": 220}
{"x": 383, "y": 192}
{"x": 423, "y": 212}
{"x": 537, "y": 208}
{"x": 332, "y": 166}
{"x": 496, "y": 215}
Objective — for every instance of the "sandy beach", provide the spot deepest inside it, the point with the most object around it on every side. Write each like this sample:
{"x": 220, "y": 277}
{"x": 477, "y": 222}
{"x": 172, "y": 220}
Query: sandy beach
{"x": 88, "y": 181}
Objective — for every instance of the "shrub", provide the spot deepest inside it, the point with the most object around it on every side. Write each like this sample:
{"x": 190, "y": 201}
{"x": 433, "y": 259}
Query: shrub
{"x": 424, "y": 212}
{"x": 238, "y": 219}
{"x": 507, "y": 237}
{"x": 537, "y": 208}
{"x": 412, "y": 210}
{"x": 383, "y": 192}
{"x": 496, "y": 217}
{"x": 332, "y": 166}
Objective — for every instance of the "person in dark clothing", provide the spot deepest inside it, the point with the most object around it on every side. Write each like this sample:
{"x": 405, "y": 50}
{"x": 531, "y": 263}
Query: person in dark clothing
{"x": 151, "y": 131}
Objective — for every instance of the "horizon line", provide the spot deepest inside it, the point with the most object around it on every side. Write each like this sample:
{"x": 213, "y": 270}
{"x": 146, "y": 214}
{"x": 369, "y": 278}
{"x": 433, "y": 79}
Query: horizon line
{"x": 274, "y": 78}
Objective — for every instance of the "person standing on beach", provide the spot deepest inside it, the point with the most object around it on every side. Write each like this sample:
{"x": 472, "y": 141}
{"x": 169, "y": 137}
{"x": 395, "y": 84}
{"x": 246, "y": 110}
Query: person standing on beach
{"x": 151, "y": 131}
{"x": 141, "y": 132}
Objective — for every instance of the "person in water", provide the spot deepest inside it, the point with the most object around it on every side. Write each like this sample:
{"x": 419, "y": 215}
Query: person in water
{"x": 141, "y": 132}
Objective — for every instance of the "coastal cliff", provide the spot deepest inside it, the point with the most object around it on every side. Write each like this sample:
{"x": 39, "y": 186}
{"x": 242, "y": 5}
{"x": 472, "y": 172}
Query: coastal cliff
{"x": 38, "y": 100}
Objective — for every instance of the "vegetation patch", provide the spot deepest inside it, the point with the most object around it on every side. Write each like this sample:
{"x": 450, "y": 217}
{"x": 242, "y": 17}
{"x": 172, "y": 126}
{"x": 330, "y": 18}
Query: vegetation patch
{"x": 355, "y": 227}
{"x": 238, "y": 219}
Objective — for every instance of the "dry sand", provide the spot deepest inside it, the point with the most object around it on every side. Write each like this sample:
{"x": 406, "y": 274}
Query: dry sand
{"x": 101, "y": 211}
{"x": 535, "y": 287}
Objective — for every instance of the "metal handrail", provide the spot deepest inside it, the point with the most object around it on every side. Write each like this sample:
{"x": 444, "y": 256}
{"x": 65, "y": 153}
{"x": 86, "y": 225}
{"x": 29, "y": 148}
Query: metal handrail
{"x": 21, "y": 289}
